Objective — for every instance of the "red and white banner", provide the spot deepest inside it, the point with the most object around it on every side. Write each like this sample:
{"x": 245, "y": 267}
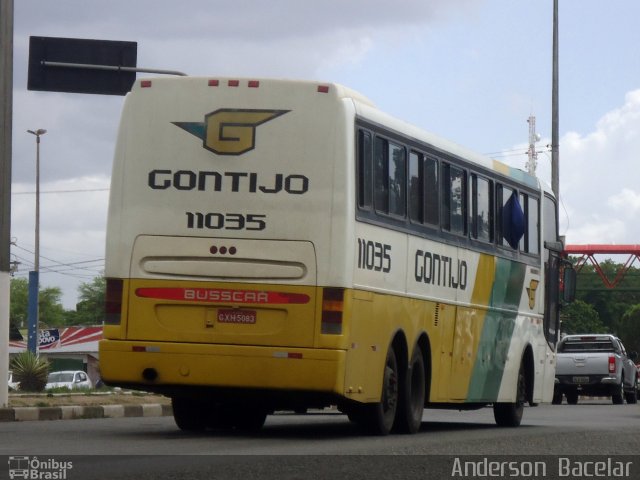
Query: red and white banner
{"x": 67, "y": 340}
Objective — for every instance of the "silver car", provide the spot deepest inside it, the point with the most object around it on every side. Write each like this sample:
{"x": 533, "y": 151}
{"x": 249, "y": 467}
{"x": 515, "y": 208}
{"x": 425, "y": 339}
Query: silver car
{"x": 71, "y": 379}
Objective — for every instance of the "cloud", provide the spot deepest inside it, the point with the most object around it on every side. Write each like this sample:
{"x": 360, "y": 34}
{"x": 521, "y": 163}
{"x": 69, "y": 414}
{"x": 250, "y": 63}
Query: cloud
{"x": 626, "y": 202}
{"x": 255, "y": 20}
{"x": 596, "y": 229}
{"x": 599, "y": 175}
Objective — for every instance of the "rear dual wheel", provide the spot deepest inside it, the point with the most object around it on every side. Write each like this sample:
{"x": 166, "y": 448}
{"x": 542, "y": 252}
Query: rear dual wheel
{"x": 402, "y": 401}
{"x": 409, "y": 415}
{"x": 189, "y": 414}
{"x": 378, "y": 418}
{"x": 197, "y": 415}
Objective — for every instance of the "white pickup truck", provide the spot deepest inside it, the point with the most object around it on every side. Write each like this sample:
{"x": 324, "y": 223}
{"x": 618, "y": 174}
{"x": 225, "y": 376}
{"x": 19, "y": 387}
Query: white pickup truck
{"x": 595, "y": 365}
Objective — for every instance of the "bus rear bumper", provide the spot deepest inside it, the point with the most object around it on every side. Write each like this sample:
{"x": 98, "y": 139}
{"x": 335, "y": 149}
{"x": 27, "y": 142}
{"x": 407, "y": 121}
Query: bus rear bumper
{"x": 155, "y": 365}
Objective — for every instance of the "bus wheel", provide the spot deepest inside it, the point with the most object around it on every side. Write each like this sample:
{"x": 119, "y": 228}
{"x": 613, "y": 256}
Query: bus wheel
{"x": 411, "y": 404}
{"x": 242, "y": 416}
{"x": 510, "y": 414}
{"x": 188, "y": 414}
{"x": 249, "y": 419}
{"x": 378, "y": 418}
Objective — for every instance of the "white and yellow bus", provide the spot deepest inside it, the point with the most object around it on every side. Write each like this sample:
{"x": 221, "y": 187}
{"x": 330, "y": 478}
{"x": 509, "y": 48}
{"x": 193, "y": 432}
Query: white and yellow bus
{"x": 278, "y": 245}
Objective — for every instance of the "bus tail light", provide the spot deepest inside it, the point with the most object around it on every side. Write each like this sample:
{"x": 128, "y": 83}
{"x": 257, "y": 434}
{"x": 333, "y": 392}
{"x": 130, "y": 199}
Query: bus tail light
{"x": 113, "y": 302}
{"x": 612, "y": 364}
{"x": 332, "y": 309}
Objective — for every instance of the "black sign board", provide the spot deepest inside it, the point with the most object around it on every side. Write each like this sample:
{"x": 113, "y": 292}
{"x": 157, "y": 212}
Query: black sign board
{"x": 77, "y": 65}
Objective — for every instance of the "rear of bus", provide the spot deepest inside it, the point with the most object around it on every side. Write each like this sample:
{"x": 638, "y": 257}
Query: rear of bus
{"x": 227, "y": 200}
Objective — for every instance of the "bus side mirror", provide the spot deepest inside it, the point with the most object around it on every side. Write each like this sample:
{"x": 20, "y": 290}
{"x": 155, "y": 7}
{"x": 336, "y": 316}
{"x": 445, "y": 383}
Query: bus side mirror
{"x": 569, "y": 278}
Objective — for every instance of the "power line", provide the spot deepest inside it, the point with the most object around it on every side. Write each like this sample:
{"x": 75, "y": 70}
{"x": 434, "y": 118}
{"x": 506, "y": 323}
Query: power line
{"x": 65, "y": 268}
{"x": 64, "y": 191}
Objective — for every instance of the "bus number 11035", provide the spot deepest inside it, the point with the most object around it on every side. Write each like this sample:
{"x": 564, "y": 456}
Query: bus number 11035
{"x": 226, "y": 221}
{"x": 374, "y": 256}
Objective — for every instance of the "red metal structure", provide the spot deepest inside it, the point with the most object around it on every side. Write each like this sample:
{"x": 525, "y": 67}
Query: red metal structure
{"x": 588, "y": 252}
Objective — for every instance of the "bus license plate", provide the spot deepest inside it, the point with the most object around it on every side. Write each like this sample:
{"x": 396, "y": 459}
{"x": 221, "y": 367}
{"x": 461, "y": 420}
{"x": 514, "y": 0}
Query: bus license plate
{"x": 580, "y": 380}
{"x": 247, "y": 317}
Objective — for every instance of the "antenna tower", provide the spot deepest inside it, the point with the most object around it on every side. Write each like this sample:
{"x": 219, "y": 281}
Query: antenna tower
{"x": 532, "y": 163}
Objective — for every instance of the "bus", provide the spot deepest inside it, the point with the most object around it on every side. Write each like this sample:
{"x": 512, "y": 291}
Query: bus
{"x": 285, "y": 245}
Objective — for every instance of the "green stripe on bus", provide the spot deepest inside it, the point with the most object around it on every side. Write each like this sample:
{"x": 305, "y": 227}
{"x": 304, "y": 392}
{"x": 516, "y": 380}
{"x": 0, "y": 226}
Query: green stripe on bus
{"x": 497, "y": 331}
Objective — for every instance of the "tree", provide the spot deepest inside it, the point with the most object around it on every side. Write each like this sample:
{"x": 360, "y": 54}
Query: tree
{"x": 611, "y": 304}
{"x": 90, "y": 308}
{"x": 19, "y": 291}
{"x": 580, "y": 317}
{"x": 51, "y": 311}
{"x": 629, "y": 331}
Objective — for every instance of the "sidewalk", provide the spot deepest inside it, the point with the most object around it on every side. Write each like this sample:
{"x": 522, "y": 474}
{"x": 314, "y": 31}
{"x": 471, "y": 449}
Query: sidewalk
{"x": 29, "y": 407}
{"x": 71, "y": 412}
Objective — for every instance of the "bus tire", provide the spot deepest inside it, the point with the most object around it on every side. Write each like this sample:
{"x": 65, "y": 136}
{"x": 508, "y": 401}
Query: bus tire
{"x": 241, "y": 416}
{"x": 249, "y": 418}
{"x": 412, "y": 395}
{"x": 188, "y": 414}
{"x": 510, "y": 414}
{"x": 378, "y": 418}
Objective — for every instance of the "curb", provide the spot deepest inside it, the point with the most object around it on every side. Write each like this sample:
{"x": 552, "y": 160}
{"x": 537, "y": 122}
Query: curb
{"x": 24, "y": 414}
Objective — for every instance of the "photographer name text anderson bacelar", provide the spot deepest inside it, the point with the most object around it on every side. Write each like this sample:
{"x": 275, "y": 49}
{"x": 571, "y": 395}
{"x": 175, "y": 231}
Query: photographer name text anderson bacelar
{"x": 561, "y": 467}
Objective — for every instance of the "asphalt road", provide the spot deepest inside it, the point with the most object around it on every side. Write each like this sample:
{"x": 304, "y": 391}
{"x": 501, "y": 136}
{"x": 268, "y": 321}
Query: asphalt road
{"x": 325, "y": 445}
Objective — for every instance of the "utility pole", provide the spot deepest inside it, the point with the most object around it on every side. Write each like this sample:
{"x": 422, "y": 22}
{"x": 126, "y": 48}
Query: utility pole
{"x": 34, "y": 275}
{"x": 555, "y": 137}
{"x": 6, "y": 116}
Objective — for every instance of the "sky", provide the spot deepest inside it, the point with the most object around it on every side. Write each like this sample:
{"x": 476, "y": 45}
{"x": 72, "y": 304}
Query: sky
{"x": 472, "y": 71}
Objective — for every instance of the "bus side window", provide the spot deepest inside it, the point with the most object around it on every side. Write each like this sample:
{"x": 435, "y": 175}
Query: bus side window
{"x": 381, "y": 175}
{"x": 533, "y": 231}
{"x": 524, "y": 241}
{"x": 397, "y": 180}
{"x": 481, "y": 211}
{"x": 390, "y": 177}
{"x": 431, "y": 194}
{"x": 365, "y": 170}
{"x": 416, "y": 187}
{"x": 530, "y": 242}
{"x": 454, "y": 201}
{"x": 511, "y": 221}
{"x": 423, "y": 189}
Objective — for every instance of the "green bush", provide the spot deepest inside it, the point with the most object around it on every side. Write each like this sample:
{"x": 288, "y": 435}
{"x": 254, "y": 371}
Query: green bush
{"x": 30, "y": 371}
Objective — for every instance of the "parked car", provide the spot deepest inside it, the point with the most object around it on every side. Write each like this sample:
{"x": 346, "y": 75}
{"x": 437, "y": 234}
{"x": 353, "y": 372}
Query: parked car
{"x": 595, "y": 365}
{"x": 71, "y": 379}
{"x": 13, "y": 385}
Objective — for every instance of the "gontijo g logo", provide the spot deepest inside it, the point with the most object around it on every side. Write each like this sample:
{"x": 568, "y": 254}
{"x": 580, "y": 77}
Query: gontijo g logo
{"x": 230, "y": 131}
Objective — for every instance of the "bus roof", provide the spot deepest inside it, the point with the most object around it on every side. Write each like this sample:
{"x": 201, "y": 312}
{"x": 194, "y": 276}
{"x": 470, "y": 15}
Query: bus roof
{"x": 364, "y": 108}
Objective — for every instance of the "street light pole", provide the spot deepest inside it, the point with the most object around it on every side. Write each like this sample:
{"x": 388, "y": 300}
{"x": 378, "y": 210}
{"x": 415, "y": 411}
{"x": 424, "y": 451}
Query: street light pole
{"x": 555, "y": 128}
{"x": 34, "y": 275}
